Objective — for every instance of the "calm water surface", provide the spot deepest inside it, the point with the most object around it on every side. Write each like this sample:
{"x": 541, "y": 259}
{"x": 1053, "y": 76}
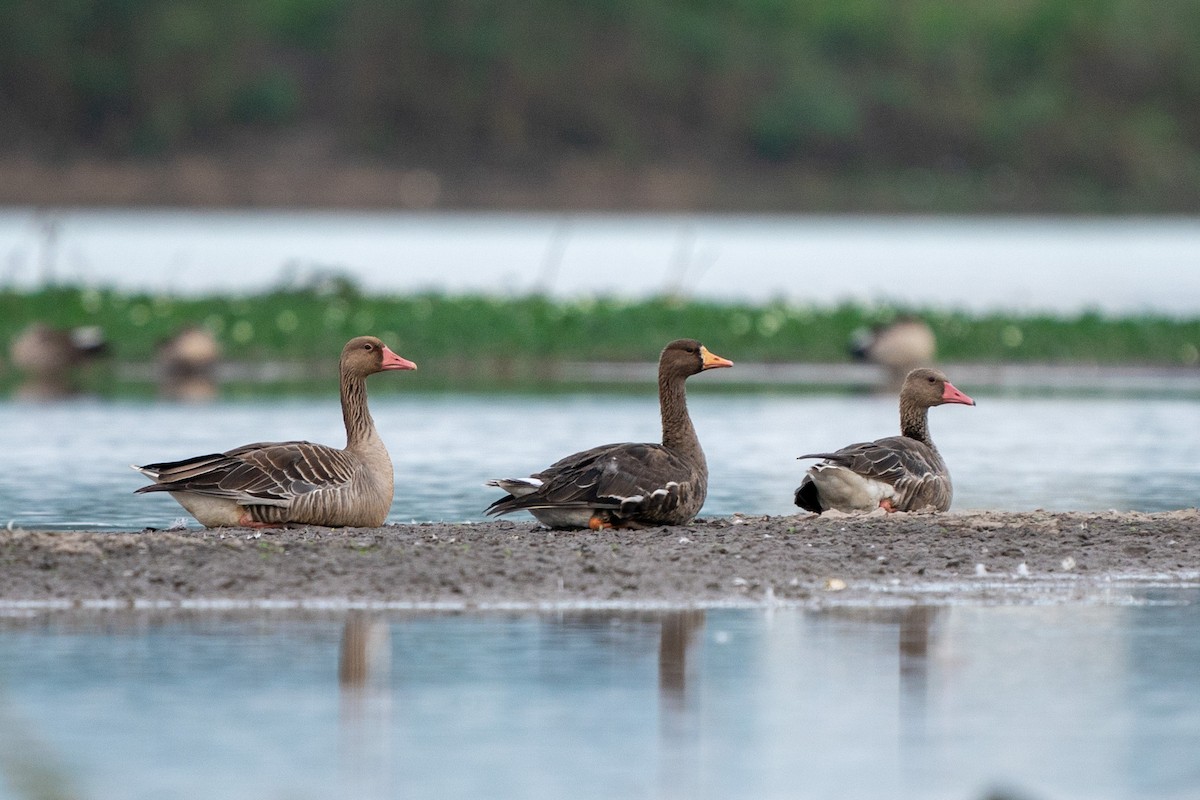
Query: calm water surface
{"x": 1060, "y": 264}
{"x": 67, "y": 464}
{"x": 1063, "y": 702}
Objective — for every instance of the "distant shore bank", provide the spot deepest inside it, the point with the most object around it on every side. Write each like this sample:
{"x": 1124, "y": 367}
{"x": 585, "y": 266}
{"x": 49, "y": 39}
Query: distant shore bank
{"x": 257, "y": 180}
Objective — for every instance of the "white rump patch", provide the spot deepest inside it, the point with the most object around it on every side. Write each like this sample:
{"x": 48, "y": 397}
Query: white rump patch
{"x": 563, "y": 517}
{"x": 846, "y": 490}
{"x": 517, "y": 487}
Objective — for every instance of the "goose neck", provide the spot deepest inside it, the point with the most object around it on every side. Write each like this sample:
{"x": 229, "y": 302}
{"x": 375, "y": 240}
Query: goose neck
{"x": 914, "y": 422}
{"x": 360, "y": 428}
{"x": 678, "y": 433}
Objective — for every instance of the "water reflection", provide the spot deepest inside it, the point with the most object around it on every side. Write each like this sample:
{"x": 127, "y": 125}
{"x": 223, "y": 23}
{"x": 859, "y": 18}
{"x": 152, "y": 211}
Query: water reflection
{"x": 948, "y": 702}
{"x": 365, "y": 719}
{"x": 28, "y": 764}
{"x": 915, "y": 635}
{"x": 679, "y": 630}
{"x": 680, "y": 767}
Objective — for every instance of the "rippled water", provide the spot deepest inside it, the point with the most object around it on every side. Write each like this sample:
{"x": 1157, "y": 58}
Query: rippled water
{"x": 1064, "y": 702}
{"x": 66, "y": 464}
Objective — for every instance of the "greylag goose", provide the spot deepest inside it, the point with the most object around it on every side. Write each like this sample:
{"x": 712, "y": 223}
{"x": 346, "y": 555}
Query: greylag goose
{"x": 42, "y": 350}
{"x": 187, "y": 363}
{"x": 628, "y": 485}
{"x": 901, "y": 346}
{"x": 897, "y": 473}
{"x": 50, "y": 358}
{"x": 271, "y": 484}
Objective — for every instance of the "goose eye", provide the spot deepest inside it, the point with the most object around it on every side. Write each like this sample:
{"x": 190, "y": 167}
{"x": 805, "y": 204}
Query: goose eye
{"x": 368, "y": 346}
{"x": 931, "y": 379}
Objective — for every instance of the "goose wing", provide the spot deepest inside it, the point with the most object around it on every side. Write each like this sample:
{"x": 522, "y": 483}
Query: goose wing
{"x": 628, "y": 479}
{"x": 914, "y": 469}
{"x": 264, "y": 473}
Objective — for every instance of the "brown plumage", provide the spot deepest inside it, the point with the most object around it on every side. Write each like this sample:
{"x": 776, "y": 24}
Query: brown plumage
{"x": 627, "y": 485}
{"x": 270, "y": 484}
{"x": 187, "y": 363}
{"x": 897, "y": 473}
{"x": 40, "y": 350}
{"x": 50, "y": 359}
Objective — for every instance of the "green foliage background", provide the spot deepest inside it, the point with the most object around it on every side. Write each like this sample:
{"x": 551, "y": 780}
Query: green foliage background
{"x": 1097, "y": 96}
{"x": 479, "y": 341}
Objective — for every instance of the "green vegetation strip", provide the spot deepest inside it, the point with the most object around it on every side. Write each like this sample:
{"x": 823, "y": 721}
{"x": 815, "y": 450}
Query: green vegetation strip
{"x": 495, "y": 336}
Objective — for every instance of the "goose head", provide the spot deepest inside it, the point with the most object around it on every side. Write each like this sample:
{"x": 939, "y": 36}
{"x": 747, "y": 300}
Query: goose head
{"x": 684, "y": 357}
{"x": 366, "y": 355}
{"x": 926, "y": 387}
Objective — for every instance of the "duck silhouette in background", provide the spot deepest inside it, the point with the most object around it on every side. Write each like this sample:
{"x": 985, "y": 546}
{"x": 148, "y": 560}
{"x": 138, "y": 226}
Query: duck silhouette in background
{"x": 187, "y": 363}
{"x": 899, "y": 347}
{"x": 50, "y": 359}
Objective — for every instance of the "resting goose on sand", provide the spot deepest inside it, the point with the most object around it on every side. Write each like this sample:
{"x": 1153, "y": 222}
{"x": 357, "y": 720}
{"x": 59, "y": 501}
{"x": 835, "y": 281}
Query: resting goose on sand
{"x": 271, "y": 484}
{"x": 627, "y": 485}
{"x": 898, "y": 473}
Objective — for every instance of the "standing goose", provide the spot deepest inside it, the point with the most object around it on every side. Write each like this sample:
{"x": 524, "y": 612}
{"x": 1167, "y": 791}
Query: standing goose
{"x": 897, "y": 473}
{"x": 271, "y": 484}
{"x": 627, "y": 485}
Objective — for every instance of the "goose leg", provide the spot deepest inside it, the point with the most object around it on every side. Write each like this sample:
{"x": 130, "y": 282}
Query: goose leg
{"x": 886, "y": 505}
{"x": 600, "y": 522}
{"x": 247, "y": 521}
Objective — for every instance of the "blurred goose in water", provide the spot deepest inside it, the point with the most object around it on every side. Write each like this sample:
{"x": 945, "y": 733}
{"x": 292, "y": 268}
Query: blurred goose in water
{"x": 186, "y": 364}
{"x": 270, "y": 484}
{"x": 897, "y": 473}
{"x": 627, "y": 485}
{"x": 49, "y": 357}
{"x": 898, "y": 347}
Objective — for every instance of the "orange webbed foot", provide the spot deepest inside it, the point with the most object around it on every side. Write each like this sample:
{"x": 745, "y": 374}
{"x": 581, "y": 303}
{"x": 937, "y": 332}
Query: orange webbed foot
{"x": 246, "y": 521}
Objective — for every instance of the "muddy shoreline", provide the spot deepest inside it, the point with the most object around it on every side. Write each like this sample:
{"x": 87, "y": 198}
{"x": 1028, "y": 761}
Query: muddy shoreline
{"x": 987, "y": 557}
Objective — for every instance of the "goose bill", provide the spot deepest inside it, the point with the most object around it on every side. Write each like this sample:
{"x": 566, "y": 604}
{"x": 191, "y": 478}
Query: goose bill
{"x": 393, "y": 361}
{"x": 953, "y": 395}
{"x": 712, "y": 360}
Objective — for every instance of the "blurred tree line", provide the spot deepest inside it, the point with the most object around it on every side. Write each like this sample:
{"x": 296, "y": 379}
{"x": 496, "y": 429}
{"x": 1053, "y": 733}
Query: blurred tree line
{"x": 1103, "y": 94}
